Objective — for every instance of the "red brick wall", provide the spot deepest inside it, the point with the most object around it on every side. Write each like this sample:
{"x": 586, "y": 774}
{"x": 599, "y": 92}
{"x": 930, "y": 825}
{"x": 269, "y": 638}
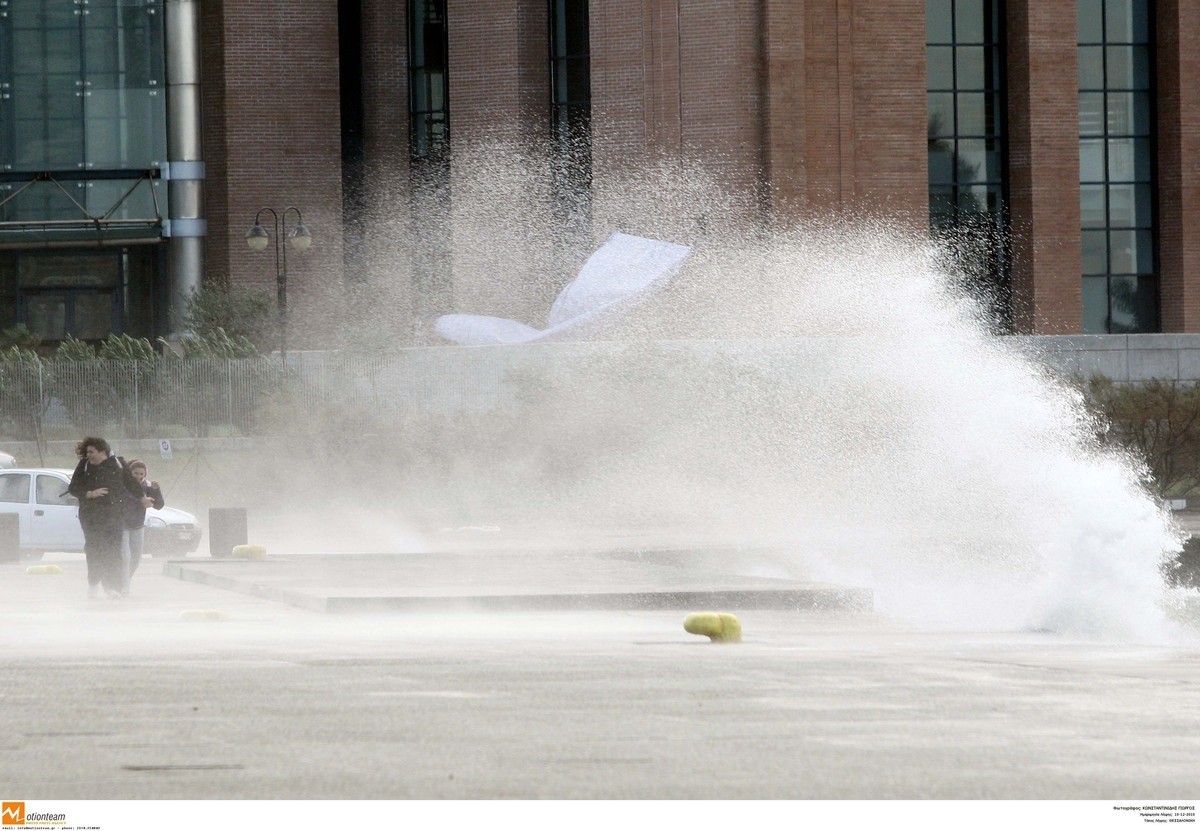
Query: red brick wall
{"x": 823, "y": 99}
{"x": 214, "y": 140}
{"x": 272, "y": 137}
{"x": 889, "y": 157}
{"x": 1178, "y": 82}
{"x": 499, "y": 69}
{"x": 1043, "y": 116}
{"x": 785, "y": 120}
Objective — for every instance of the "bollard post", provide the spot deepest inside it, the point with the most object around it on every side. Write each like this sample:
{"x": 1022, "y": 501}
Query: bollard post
{"x": 10, "y": 538}
{"x": 226, "y": 528}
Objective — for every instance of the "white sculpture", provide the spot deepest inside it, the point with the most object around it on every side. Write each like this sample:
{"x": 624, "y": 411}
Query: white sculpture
{"x": 621, "y": 273}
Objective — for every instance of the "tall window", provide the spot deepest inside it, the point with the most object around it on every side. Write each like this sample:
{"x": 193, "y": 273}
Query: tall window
{"x": 965, "y": 81}
{"x": 428, "y": 80}
{"x": 571, "y": 87}
{"x": 1116, "y": 167}
{"x": 429, "y": 152}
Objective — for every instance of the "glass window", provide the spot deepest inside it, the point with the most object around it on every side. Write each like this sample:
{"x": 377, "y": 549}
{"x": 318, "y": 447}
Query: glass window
{"x": 1128, "y": 67}
{"x": 939, "y": 67}
{"x": 1091, "y": 113}
{"x": 14, "y": 488}
{"x": 1126, "y": 21}
{"x": 941, "y": 165}
{"x": 972, "y": 67}
{"x": 46, "y": 315}
{"x": 1090, "y": 21}
{"x": 428, "y": 100}
{"x": 941, "y": 114}
{"x": 1095, "y": 305}
{"x": 1129, "y": 206}
{"x": 571, "y": 106}
{"x": 966, "y": 143}
{"x": 1095, "y": 252}
{"x": 53, "y": 491}
{"x": 1128, "y": 113}
{"x": 974, "y": 114}
{"x": 1130, "y": 252}
{"x": 1091, "y": 161}
{"x": 1133, "y": 304}
{"x": 1091, "y": 206}
{"x": 1091, "y": 67}
{"x": 939, "y": 25}
{"x": 969, "y": 18}
{"x": 1116, "y": 167}
{"x": 1129, "y": 160}
{"x": 52, "y": 270}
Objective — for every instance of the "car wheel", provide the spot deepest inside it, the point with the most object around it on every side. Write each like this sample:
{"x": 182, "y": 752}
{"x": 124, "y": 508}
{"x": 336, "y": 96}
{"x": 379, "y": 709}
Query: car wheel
{"x": 32, "y": 555}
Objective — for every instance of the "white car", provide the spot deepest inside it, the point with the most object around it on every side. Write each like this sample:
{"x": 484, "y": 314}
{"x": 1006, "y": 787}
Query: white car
{"x": 49, "y": 516}
{"x": 7, "y": 460}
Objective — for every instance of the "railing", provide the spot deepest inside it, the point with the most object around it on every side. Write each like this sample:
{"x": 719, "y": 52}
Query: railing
{"x": 47, "y": 399}
{"x": 42, "y": 400}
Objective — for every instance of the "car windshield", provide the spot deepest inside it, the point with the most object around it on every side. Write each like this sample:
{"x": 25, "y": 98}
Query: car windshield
{"x": 14, "y": 487}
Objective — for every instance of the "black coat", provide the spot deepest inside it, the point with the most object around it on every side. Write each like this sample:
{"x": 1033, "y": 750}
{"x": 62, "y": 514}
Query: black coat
{"x": 137, "y": 513}
{"x": 113, "y": 508}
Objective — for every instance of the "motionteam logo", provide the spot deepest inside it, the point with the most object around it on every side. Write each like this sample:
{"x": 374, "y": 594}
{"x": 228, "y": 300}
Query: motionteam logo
{"x": 13, "y": 813}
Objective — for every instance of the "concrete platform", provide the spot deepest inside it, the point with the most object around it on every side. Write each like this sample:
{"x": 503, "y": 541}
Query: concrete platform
{"x": 521, "y": 581}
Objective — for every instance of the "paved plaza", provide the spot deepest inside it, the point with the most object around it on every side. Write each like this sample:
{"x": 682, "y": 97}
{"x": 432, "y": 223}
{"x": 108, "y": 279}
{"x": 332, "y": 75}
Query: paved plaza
{"x": 190, "y": 690}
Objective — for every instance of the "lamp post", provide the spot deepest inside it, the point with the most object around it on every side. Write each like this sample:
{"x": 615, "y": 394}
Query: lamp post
{"x": 298, "y": 238}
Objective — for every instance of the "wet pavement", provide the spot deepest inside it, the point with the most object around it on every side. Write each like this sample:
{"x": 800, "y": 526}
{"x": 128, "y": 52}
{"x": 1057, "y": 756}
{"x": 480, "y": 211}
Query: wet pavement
{"x": 187, "y": 690}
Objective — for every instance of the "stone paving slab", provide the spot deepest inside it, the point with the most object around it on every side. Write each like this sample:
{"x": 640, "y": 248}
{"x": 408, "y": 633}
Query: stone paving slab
{"x": 519, "y": 581}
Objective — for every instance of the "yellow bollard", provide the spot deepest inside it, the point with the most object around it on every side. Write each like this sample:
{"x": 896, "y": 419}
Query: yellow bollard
{"x": 718, "y": 626}
{"x": 201, "y": 614}
{"x": 249, "y": 552}
{"x": 48, "y": 568}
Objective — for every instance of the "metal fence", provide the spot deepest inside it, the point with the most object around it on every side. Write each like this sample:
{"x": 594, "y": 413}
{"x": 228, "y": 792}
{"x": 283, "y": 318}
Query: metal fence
{"x": 46, "y": 399}
{"x": 43, "y": 400}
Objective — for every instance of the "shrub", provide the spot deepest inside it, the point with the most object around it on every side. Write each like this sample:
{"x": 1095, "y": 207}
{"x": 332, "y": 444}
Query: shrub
{"x": 1159, "y": 421}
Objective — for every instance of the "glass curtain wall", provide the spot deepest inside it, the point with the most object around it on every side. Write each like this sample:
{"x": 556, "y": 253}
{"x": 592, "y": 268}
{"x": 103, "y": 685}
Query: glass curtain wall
{"x": 429, "y": 156}
{"x": 967, "y": 199}
{"x": 1116, "y": 167}
{"x": 83, "y": 97}
{"x": 83, "y": 132}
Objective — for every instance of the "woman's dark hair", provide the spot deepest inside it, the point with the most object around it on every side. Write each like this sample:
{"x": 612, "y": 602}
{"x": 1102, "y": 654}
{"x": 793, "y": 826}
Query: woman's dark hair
{"x": 91, "y": 441}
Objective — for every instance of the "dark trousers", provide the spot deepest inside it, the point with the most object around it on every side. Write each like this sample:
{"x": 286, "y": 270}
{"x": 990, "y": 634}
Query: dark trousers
{"x": 102, "y": 547}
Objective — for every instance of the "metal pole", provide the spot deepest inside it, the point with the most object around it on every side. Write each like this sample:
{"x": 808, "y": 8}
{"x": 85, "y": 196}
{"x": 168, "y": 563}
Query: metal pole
{"x": 281, "y": 289}
{"x": 185, "y": 171}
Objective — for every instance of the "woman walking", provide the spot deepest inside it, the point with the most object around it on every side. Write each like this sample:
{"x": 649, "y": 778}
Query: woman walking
{"x": 104, "y": 488}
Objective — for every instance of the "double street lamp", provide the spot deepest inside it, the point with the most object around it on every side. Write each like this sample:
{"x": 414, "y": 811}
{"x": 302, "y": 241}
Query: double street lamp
{"x": 299, "y": 239}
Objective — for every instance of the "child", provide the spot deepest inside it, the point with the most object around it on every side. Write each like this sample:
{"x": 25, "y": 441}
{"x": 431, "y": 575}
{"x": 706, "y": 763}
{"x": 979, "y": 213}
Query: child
{"x": 135, "y": 524}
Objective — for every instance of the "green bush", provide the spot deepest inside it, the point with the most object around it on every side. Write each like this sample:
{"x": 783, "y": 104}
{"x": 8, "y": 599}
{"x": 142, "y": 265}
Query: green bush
{"x": 243, "y": 317}
{"x": 1157, "y": 420}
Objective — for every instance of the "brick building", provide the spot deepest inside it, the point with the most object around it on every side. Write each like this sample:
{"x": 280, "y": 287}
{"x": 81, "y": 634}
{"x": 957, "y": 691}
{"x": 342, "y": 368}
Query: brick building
{"x": 1065, "y": 135}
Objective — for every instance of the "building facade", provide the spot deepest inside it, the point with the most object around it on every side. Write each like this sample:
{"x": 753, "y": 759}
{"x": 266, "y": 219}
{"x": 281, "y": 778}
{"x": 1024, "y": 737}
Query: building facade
{"x": 139, "y": 139}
